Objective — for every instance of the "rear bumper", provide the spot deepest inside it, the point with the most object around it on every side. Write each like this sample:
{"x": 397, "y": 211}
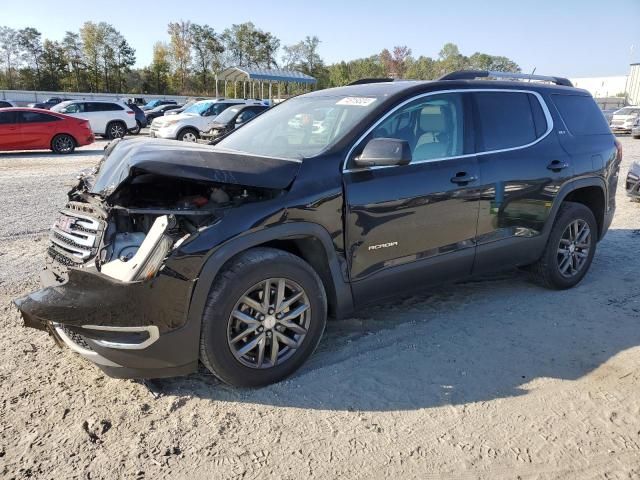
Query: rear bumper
{"x": 86, "y": 139}
{"x": 129, "y": 330}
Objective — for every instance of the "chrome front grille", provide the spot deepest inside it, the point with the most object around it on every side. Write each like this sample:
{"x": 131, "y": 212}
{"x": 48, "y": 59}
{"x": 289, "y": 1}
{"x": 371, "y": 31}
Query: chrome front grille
{"x": 76, "y": 235}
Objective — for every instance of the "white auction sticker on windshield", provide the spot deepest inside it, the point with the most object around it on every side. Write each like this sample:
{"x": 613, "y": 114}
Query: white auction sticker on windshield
{"x": 356, "y": 101}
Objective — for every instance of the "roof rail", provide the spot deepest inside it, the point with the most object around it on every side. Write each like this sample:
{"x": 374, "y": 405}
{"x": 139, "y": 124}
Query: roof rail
{"x": 362, "y": 81}
{"x": 471, "y": 74}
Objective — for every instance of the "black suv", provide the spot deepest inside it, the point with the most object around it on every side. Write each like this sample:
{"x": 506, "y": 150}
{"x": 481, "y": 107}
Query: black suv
{"x": 234, "y": 255}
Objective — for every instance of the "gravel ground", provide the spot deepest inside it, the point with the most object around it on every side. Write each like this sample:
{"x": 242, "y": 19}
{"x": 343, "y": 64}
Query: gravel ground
{"x": 495, "y": 378}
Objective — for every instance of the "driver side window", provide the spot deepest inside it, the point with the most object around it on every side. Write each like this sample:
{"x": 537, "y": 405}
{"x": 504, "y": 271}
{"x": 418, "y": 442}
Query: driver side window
{"x": 432, "y": 125}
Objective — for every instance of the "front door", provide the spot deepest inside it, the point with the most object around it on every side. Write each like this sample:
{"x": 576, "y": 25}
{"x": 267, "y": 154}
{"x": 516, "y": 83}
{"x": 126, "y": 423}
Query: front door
{"x": 412, "y": 225}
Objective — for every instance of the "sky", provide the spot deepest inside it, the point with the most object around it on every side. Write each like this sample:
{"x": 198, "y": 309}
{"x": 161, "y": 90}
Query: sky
{"x": 572, "y": 38}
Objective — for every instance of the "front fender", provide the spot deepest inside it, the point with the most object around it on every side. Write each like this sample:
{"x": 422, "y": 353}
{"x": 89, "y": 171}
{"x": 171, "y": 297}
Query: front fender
{"x": 213, "y": 264}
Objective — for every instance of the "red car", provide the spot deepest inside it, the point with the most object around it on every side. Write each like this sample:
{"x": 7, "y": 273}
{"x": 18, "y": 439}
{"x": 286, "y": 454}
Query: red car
{"x": 35, "y": 129}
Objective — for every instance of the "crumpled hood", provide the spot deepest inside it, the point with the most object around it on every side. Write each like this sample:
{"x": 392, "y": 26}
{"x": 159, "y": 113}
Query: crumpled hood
{"x": 190, "y": 161}
{"x": 176, "y": 116}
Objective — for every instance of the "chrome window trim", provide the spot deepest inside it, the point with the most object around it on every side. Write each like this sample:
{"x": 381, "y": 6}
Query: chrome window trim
{"x": 543, "y": 105}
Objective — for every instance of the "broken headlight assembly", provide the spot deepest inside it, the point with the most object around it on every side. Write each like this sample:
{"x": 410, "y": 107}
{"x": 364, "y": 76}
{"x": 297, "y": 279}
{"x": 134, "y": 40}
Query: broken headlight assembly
{"x": 148, "y": 258}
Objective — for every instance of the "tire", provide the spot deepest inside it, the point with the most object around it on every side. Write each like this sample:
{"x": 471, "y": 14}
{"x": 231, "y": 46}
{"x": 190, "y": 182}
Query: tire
{"x": 548, "y": 270}
{"x": 224, "y": 335}
{"x": 136, "y": 130}
{"x": 116, "y": 130}
{"x": 188, "y": 135}
{"x": 63, "y": 144}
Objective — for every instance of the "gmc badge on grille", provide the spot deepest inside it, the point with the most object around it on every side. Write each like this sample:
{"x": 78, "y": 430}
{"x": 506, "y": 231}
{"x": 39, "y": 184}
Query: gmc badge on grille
{"x": 65, "y": 223}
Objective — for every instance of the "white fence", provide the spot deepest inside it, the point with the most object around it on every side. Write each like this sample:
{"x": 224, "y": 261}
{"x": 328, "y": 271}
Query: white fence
{"x": 22, "y": 97}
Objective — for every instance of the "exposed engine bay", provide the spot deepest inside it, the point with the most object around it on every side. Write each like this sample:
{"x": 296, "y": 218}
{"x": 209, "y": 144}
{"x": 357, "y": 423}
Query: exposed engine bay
{"x": 128, "y": 231}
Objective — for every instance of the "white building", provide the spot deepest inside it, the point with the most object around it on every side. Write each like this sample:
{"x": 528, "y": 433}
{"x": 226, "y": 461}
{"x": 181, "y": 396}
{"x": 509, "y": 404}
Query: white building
{"x": 602, "y": 86}
{"x": 633, "y": 85}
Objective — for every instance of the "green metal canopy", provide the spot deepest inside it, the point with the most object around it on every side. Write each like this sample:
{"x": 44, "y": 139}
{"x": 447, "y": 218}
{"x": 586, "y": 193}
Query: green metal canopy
{"x": 235, "y": 74}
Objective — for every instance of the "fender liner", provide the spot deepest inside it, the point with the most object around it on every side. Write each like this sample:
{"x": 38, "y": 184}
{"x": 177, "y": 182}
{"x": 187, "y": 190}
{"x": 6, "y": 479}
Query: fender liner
{"x": 343, "y": 295}
{"x": 565, "y": 190}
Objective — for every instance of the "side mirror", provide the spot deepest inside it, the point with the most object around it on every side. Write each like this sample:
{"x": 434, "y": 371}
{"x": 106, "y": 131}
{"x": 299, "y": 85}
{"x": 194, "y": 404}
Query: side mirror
{"x": 384, "y": 152}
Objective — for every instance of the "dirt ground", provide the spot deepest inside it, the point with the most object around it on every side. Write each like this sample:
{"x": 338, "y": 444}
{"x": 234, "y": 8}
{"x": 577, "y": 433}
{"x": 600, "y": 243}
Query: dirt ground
{"x": 494, "y": 378}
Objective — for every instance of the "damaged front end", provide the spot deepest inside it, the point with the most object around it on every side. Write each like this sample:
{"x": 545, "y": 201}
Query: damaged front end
{"x": 110, "y": 292}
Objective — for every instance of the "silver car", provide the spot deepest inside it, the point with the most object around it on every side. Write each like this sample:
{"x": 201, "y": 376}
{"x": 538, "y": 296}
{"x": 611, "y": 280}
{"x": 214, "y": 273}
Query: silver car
{"x": 624, "y": 119}
{"x": 635, "y": 131}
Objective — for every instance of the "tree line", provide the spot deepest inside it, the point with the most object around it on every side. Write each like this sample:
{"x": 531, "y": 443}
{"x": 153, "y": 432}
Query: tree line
{"x": 98, "y": 58}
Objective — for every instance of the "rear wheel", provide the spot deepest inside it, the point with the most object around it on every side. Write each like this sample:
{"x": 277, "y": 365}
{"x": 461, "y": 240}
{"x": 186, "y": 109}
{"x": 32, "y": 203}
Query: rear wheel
{"x": 189, "y": 135}
{"x": 116, "y": 130}
{"x": 63, "y": 143}
{"x": 136, "y": 130}
{"x": 570, "y": 248}
{"x": 264, "y": 317}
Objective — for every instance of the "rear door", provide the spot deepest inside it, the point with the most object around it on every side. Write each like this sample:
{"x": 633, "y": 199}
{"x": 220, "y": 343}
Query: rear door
{"x": 9, "y": 131}
{"x": 98, "y": 116}
{"x": 522, "y": 165}
{"x": 587, "y": 138}
{"x": 37, "y": 129}
{"x": 411, "y": 225}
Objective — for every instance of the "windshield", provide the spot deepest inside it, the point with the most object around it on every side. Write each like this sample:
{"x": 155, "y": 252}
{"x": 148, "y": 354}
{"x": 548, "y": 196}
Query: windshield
{"x": 198, "y": 108}
{"x": 152, "y": 104}
{"x": 628, "y": 111}
{"x": 301, "y": 127}
{"x": 227, "y": 115}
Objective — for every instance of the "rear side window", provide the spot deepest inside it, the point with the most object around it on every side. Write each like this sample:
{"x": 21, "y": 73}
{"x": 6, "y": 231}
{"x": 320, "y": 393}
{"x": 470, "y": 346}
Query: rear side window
{"x": 5, "y": 104}
{"x": 104, "y": 107}
{"x": 36, "y": 117}
{"x": 7, "y": 118}
{"x": 581, "y": 114}
{"x": 507, "y": 120}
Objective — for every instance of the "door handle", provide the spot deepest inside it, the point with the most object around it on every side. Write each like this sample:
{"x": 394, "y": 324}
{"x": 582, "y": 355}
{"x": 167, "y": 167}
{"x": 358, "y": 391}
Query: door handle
{"x": 462, "y": 178}
{"x": 557, "y": 165}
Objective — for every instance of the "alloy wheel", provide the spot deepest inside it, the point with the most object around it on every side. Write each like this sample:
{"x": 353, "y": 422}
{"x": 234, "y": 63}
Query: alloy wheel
{"x": 63, "y": 144}
{"x": 116, "y": 131}
{"x": 573, "y": 249}
{"x": 269, "y": 323}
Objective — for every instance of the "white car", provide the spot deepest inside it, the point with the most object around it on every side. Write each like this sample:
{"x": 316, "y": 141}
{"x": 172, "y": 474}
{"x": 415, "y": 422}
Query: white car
{"x": 110, "y": 119}
{"x": 199, "y": 117}
{"x": 624, "y": 119}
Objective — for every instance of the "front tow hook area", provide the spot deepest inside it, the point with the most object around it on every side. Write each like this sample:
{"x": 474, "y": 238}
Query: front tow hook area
{"x": 89, "y": 298}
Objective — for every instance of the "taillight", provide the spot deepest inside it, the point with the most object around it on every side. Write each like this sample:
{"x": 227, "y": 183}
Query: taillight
{"x": 618, "y": 150}
{"x": 130, "y": 112}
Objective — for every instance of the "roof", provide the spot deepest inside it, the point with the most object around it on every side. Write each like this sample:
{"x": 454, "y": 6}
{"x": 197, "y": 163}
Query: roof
{"x": 388, "y": 89}
{"x": 274, "y": 75}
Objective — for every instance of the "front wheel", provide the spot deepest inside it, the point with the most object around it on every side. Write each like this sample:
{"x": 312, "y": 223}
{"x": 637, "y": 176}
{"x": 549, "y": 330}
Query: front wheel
{"x": 264, "y": 317}
{"x": 63, "y": 143}
{"x": 188, "y": 135}
{"x": 570, "y": 248}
